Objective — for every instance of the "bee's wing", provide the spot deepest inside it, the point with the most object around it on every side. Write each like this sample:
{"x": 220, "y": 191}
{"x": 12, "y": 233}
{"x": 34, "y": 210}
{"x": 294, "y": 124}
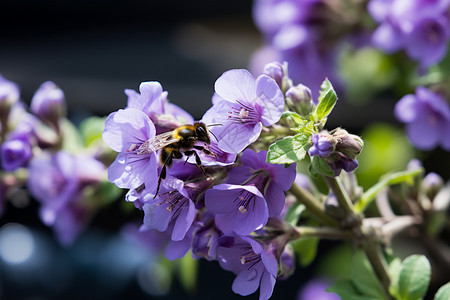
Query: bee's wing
{"x": 157, "y": 142}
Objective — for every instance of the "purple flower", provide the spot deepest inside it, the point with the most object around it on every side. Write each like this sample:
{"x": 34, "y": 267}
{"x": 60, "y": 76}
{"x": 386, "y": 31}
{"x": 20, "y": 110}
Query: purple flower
{"x": 427, "y": 116}
{"x": 57, "y": 182}
{"x": 152, "y": 100}
{"x": 16, "y": 152}
{"x": 49, "y": 102}
{"x": 419, "y": 27}
{"x": 238, "y": 208}
{"x": 247, "y": 105}
{"x": 270, "y": 179}
{"x": 206, "y": 238}
{"x": 323, "y": 145}
{"x": 125, "y": 131}
{"x": 255, "y": 267}
{"x": 172, "y": 206}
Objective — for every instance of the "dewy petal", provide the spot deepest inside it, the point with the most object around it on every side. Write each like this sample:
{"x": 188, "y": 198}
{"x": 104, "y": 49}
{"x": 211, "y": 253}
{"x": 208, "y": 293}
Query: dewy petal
{"x": 156, "y": 217}
{"x": 184, "y": 220}
{"x": 236, "y": 85}
{"x": 423, "y": 134}
{"x": 270, "y": 100}
{"x": 238, "y": 137}
{"x": 407, "y": 108}
{"x": 127, "y": 127}
{"x": 266, "y": 287}
{"x": 247, "y": 282}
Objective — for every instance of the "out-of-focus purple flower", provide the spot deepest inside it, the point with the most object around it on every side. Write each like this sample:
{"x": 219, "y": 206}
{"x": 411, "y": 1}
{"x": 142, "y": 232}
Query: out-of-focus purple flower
{"x": 421, "y": 28}
{"x": 238, "y": 208}
{"x": 57, "y": 182}
{"x": 16, "y": 152}
{"x": 316, "y": 289}
{"x": 9, "y": 94}
{"x": 322, "y": 145}
{"x": 270, "y": 179}
{"x": 152, "y": 100}
{"x": 254, "y": 265}
{"x": 287, "y": 263}
{"x": 431, "y": 184}
{"x": 206, "y": 238}
{"x": 247, "y": 106}
{"x": 49, "y": 102}
{"x": 427, "y": 116}
{"x": 125, "y": 131}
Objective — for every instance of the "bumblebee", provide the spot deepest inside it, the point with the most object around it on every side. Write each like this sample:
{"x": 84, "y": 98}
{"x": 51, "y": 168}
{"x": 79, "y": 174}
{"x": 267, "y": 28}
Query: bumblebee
{"x": 174, "y": 144}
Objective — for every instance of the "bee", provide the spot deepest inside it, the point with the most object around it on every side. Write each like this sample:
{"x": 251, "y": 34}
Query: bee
{"x": 173, "y": 144}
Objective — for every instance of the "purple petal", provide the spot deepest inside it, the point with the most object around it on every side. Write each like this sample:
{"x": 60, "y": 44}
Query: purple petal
{"x": 388, "y": 38}
{"x": 275, "y": 200}
{"x": 407, "y": 108}
{"x": 445, "y": 137}
{"x": 270, "y": 262}
{"x": 267, "y": 284}
{"x": 239, "y": 136}
{"x": 270, "y": 100}
{"x": 132, "y": 97}
{"x": 247, "y": 282}
{"x": 180, "y": 114}
{"x": 290, "y": 37}
{"x": 156, "y": 217}
{"x": 283, "y": 177}
{"x": 184, "y": 221}
{"x": 127, "y": 127}
{"x": 178, "y": 249}
{"x": 236, "y": 85}
{"x": 423, "y": 134}
{"x": 152, "y": 98}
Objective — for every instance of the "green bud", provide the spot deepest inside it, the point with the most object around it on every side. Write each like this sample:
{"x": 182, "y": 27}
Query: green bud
{"x": 348, "y": 144}
{"x": 299, "y": 99}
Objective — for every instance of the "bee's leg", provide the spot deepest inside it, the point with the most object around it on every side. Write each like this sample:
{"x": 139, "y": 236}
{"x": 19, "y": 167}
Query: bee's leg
{"x": 166, "y": 157}
{"x": 204, "y": 150}
{"x": 197, "y": 159}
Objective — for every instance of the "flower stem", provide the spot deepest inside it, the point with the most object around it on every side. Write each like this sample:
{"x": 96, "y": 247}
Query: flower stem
{"x": 313, "y": 206}
{"x": 340, "y": 194}
{"x": 323, "y": 232}
{"x": 376, "y": 259}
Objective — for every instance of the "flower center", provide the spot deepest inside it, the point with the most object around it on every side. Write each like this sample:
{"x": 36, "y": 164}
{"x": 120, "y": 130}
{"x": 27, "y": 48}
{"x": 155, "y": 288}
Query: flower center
{"x": 244, "y": 200}
{"x": 249, "y": 257}
{"x": 243, "y": 114}
{"x": 174, "y": 201}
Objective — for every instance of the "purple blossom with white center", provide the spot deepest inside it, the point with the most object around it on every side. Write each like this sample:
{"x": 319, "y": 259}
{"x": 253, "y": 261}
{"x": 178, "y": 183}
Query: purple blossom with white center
{"x": 238, "y": 208}
{"x": 152, "y": 100}
{"x": 255, "y": 267}
{"x": 247, "y": 106}
{"x": 427, "y": 116}
{"x": 16, "y": 152}
{"x": 421, "y": 28}
{"x": 49, "y": 102}
{"x": 171, "y": 206}
{"x": 323, "y": 145}
{"x": 270, "y": 179}
{"x": 125, "y": 131}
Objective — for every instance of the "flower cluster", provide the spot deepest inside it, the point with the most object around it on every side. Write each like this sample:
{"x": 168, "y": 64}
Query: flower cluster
{"x": 421, "y": 28}
{"x": 41, "y": 150}
{"x": 221, "y": 198}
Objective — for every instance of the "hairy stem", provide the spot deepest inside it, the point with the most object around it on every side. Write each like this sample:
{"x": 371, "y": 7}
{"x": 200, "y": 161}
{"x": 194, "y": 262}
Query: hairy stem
{"x": 323, "y": 232}
{"x": 376, "y": 259}
{"x": 313, "y": 206}
{"x": 340, "y": 194}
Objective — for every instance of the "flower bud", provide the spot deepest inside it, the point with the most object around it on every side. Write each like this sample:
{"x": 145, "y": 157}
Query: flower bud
{"x": 279, "y": 72}
{"x": 348, "y": 144}
{"x": 323, "y": 145}
{"x": 299, "y": 98}
{"x": 9, "y": 94}
{"x": 431, "y": 184}
{"x": 287, "y": 262}
{"x": 49, "y": 103}
{"x": 16, "y": 153}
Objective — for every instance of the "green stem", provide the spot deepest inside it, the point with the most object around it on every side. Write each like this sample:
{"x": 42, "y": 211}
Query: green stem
{"x": 376, "y": 259}
{"x": 313, "y": 206}
{"x": 323, "y": 232}
{"x": 340, "y": 194}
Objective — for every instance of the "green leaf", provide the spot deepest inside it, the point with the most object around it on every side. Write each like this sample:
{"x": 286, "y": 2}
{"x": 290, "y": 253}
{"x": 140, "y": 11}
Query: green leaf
{"x": 188, "y": 272}
{"x": 294, "y": 117}
{"x": 327, "y": 100}
{"x": 443, "y": 293}
{"x": 319, "y": 166}
{"x": 347, "y": 291}
{"x": 289, "y": 150}
{"x": 305, "y": 250}
{"x": 394, "y": 272}
{"x": 390, "y": 179}
{"x": 414, "y": 278}
{"x": 294, "y": 213}
{"x": 364, "y": 278}
{"x": 306, "y": 128}
{"x": 91, "y": 129}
